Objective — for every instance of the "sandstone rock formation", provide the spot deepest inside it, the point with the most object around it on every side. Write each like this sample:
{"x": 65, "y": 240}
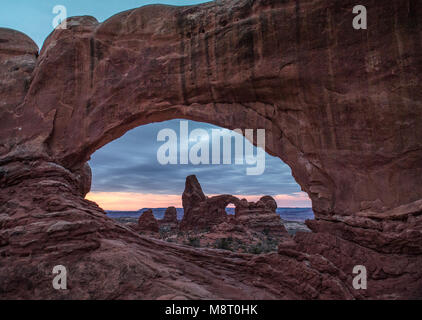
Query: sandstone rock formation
{"x": 256, "y": 227}
{"x": 201, "y": 212}
{"x": 261, "y": 216}
{"x": 340, "y": 106}
{"x": 169, "y": 220}
{"x": 18, "y": 57}
{"x": 147, "y": 222}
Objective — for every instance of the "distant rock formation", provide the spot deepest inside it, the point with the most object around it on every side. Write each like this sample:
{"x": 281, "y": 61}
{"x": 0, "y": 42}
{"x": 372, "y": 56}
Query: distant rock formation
{"x": 261, "y": 216}
{"x": 170, "y": 221}
{"x": 193, "y": 194}
{"x": 147, "y": 222}
{"x": 268, "y": 202}
{"x": 201, "y": 212}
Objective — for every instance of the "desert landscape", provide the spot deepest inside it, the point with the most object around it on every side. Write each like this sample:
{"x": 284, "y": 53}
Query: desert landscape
{"x": 341, "y": 107}
{"x": 254, "y": 228}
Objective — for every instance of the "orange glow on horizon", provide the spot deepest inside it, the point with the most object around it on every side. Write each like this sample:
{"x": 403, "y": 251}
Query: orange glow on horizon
{"x": 133, "y": 201}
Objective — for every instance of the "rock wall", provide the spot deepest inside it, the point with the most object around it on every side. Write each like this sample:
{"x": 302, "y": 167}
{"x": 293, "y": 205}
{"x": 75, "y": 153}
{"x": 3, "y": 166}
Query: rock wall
{"x": 341, "y": 107}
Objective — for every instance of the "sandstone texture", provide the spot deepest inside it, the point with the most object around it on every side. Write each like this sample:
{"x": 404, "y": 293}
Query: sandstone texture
{"x": 342, "y": 107}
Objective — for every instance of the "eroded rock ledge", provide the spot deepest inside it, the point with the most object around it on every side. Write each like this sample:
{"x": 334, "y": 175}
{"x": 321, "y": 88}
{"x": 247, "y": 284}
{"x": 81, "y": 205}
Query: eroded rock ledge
{"x": 341, "y": 107}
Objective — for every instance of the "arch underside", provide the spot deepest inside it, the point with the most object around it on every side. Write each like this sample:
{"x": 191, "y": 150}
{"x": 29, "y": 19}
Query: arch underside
{"x": 349, "y": 131}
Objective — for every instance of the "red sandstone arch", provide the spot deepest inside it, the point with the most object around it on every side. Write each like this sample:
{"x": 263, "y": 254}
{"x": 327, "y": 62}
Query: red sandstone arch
{"x": 235, "y": 68}
{"x": 341, "y": 107}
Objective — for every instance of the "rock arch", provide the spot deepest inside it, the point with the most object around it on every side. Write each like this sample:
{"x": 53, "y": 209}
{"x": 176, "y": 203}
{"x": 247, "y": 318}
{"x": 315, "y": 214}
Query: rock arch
{"x": 201, "y": 211}
{"x": 343, "y": 114}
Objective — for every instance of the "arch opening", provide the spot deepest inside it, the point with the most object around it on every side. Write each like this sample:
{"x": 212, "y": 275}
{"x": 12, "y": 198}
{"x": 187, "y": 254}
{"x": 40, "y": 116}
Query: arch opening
{"x": 130, "y": 180}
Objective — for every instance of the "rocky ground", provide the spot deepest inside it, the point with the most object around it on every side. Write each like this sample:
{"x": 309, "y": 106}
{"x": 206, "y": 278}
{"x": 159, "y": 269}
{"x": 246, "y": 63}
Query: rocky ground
{"x": 234, "y": 239}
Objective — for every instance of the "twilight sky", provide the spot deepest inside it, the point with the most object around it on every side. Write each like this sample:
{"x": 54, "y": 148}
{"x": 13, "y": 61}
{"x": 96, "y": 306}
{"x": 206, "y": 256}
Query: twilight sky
{"x": 126, "y": 173}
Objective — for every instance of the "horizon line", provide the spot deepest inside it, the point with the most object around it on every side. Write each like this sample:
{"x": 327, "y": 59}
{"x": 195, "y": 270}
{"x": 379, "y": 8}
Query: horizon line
{"x": 146, "y": 208}
{"x": 134, "y": 201}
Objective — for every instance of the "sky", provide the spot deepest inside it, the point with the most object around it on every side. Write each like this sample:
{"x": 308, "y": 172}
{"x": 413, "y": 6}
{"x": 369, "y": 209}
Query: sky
{"x": 126, "y": 172}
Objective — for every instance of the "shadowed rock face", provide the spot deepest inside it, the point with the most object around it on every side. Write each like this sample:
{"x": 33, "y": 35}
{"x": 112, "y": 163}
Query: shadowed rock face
{"x": 341, "y": 107}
